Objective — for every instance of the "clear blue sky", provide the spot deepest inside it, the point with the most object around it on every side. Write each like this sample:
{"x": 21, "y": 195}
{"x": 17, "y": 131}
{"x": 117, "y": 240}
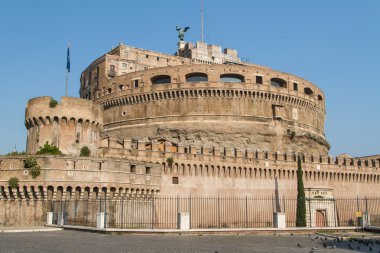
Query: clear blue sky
{"x": 334, "y": 43}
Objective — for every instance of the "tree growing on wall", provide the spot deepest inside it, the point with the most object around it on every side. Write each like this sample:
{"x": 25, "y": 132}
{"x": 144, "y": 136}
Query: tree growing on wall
{"x": 301, "y": 204}
{"x": 31, "y": 164}
{"x": 13, "y": 182}
{"x": 48, "y": 149}
{"x": 170, "y": 161}
{"x": 85, "y": 151}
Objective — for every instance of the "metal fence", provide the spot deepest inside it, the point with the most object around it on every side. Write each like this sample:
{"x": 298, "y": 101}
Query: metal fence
{"x": 213, "y": 212}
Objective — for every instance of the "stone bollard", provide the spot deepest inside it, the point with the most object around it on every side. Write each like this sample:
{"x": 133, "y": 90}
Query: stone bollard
{"x": 183, "y": 220}
{"x": 49, "y": 218}
{"x": 279, "y": 220}
{"x": 100, "y": 218}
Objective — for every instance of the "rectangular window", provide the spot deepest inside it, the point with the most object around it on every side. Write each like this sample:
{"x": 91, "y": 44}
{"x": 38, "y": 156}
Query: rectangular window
{"x": 295, "y": 86}
{"x": 148, "y": 170}
{"x": 259, "y": 79}
{"x": 136, "y": 83}
{"x": 175, "y": 180}
{"x": 133, "y": 168}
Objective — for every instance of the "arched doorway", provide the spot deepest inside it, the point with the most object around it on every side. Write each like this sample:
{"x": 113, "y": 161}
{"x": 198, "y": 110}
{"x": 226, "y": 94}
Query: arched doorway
{"x": 320, "y": 220}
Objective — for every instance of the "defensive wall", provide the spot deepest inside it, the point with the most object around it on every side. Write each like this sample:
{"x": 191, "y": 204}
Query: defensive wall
{"x": 144, "y": 172}
{"x": 64, "y": 177}
{"x": 211, "y": 171}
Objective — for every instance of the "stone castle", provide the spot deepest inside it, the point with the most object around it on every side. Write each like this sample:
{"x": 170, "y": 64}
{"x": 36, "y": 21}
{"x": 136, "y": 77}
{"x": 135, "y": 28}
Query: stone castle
{"x": 200, "y": 122}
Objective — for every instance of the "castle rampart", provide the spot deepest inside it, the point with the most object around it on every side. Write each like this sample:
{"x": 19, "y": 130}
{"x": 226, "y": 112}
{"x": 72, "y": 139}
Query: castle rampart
{"x": 80, "y": 178}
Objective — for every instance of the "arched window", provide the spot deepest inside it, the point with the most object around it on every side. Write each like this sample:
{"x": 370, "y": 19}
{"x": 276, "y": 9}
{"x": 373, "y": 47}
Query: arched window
{"x": 232, "y": 78}
{"x": 161, "y": 79}
{"x": 196, "y": 77}
{"x": 278, "y": 83}
{"x": 308, "y": 91}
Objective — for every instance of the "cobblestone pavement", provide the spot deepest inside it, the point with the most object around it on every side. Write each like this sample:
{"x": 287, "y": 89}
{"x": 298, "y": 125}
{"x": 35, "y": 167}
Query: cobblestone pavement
{"x": 74, "y": 241}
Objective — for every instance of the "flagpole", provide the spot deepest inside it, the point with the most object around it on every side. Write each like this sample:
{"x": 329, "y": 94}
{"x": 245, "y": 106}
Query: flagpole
{"x": 67, "y": 81}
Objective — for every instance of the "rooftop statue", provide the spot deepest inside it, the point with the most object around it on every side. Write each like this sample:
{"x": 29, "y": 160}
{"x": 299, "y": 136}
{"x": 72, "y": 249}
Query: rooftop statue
{"x": 181, "y": 32}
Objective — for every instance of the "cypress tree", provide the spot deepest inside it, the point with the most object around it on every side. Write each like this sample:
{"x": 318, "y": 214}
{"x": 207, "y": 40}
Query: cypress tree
{"x": 301, "y": 205}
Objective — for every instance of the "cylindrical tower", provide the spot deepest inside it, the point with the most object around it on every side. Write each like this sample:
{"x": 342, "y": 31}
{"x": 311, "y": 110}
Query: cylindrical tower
{"x": 70, "y": 125}
{"x": 217, "y": 105}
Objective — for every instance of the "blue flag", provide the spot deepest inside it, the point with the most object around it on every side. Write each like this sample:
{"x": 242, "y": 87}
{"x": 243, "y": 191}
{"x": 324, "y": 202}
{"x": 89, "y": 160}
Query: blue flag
{"x": 68, "y": 59}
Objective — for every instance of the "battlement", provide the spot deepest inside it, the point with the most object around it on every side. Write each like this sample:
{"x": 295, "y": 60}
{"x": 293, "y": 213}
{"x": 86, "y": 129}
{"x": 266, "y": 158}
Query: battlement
{"x": 160, "y": 150}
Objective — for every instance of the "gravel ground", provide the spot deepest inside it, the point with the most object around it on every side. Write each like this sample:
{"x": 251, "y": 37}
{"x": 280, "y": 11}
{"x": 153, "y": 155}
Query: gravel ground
{"x": 75, "y": 241}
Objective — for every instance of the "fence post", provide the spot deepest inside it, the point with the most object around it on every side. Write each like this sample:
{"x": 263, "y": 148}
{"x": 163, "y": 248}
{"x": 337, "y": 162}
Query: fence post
{"x": 218, "y": 211}
{"x": 105, "y": 211}
{"x": 246, "y": 211}
{"x": 190, "y": 212}
{"x": 152, "y": 212}
{"x": 309, "y": 200}
{"x": 122, "y": 211}
{"x": 366, "y": 211}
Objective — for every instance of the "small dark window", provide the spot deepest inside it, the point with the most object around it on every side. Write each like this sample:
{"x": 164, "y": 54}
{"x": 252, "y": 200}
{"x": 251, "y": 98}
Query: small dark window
{"x": 161, "y": 79}
{"x": 147, "y": 170}
{"x": 278, "y": 83}
{"x": 295, "y": 86}
{"x": 320, "y": 98}
{"x": 158, "y": 58}
{"x": 109, "y": 90}
{"x": 175, "y": 180}
{"x": 121, "y": 87}
{"x": 196, "y": 77}
{"x": 232, "y": 78}
{"x": 308, "y": 91}
{"x": 185, "y": 150}
{"x": 133, "y": 168}
{"x": 147, "y": 56}
{"x": 100, "y": 165}
{"x": 136, "y": 83}
{"x": 259, "y": 79}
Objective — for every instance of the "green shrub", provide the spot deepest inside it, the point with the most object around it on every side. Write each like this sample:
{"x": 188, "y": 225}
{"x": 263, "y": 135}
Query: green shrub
{"x": 30, "y": 162}
{"x": 53, "y": 103}
{"x": 170, "y": 161}
{"x": 13, "y": 182}
{"x": 48, "y": 149}
{"x": 35, "y": 171}
{"x": 85, "y": 151}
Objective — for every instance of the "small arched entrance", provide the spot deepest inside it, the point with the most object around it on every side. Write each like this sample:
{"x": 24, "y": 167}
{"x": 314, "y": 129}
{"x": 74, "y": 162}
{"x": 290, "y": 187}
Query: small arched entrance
{"x": 320, "y": 219}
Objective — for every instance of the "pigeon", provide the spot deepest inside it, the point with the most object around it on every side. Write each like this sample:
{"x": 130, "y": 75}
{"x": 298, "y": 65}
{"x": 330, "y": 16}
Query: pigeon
{"x": 333, "y": 247}
{"x": 370, "y": 248}
{"x": 314, "y": 248}
{"x": 299, "y": 245}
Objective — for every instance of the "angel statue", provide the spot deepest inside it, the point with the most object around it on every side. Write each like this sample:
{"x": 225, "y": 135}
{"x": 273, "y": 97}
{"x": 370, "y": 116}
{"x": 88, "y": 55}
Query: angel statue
{"x": 181, "y": 32}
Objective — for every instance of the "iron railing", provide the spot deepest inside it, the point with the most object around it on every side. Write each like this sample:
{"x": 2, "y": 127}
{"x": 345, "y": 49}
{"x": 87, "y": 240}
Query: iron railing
{"x": 204, "y": 212}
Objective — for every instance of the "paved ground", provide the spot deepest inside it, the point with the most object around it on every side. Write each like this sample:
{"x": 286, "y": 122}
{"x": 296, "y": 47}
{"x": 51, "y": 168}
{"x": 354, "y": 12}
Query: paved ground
{"x": 75, "y": 241}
